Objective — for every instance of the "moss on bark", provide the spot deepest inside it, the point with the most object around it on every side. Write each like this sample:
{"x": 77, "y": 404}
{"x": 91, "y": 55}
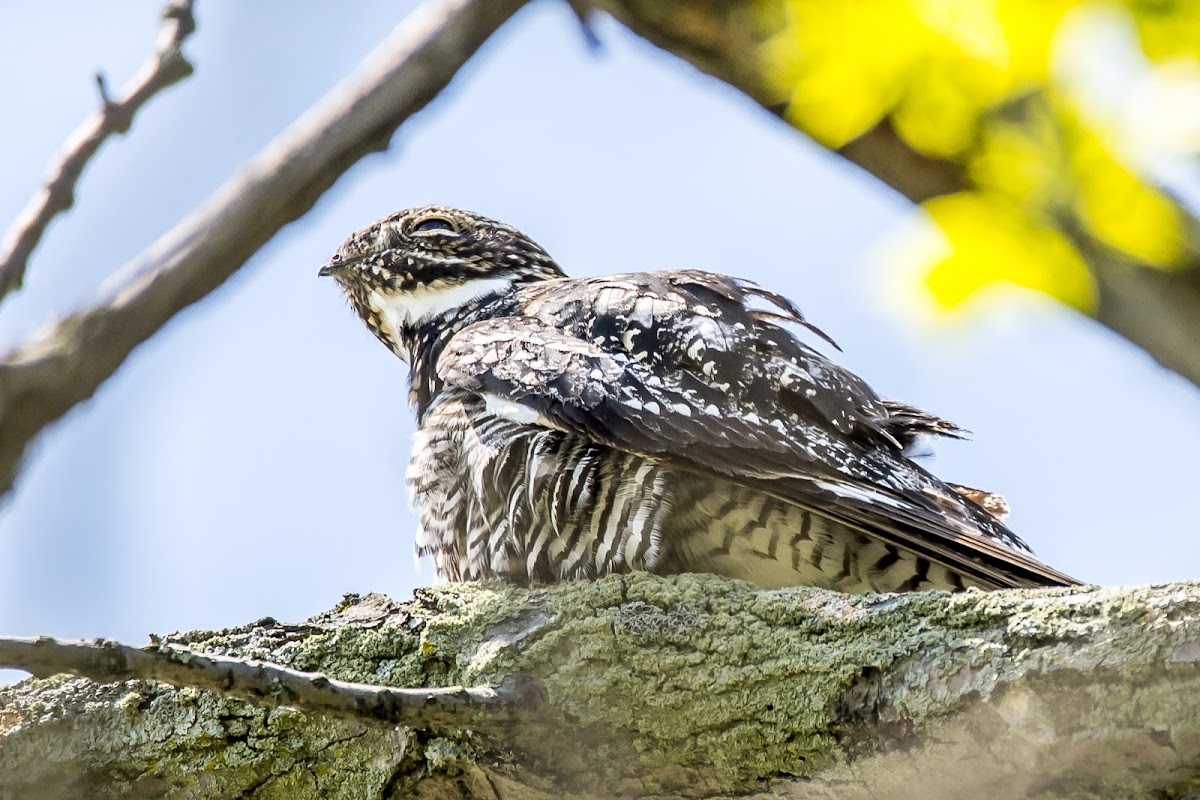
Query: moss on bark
{"x": 688, "y": 686}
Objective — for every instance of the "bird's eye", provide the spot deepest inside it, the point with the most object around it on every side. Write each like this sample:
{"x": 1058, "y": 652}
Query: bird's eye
{"x": 432, "y": 224}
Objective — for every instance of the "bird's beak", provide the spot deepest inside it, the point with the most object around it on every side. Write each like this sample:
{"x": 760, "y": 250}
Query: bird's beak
{"x": 332, "y": 269}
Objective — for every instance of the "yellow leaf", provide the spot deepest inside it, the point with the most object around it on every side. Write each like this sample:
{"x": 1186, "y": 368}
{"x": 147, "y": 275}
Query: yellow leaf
{"x": 1168, "y": 29}
{"x": 841, "y": 65}
{"x": 991, "y": 241}
{"x": 1122, "y": 209}
{"x": 1021, "y": 159}
{"x": 942, "y": 105}
{"x": 1029, "y": 28}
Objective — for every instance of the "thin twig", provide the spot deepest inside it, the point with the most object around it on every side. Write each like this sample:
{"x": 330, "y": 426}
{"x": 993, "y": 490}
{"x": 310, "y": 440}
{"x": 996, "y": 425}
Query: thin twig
{"x": 42, "y": 379}
{"x": 166, "y": 67}
{"x": 264, "y": 684}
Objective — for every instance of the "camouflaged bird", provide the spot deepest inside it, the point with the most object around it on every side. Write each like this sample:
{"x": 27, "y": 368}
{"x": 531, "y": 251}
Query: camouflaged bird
{"x": 662, "y": 421}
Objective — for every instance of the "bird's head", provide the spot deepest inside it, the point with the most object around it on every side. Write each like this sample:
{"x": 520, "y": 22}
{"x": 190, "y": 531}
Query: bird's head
{"x": 424, "y": 265}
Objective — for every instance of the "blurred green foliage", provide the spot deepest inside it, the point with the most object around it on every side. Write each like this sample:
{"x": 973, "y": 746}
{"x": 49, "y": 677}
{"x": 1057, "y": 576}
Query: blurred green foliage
{"x": 1019, "y": 96}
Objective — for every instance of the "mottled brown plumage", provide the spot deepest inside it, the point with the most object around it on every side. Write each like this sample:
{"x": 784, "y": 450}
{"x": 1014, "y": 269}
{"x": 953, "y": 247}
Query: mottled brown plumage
{"x": 665, "y": 421}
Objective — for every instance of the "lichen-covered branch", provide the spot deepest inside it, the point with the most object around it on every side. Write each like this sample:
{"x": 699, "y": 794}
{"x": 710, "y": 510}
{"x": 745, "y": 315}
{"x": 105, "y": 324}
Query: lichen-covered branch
{"x": 692, "y": 686}
{"x": 42, "y": 379}
{"x": 166, "y": 67}
{"x": 1156, "y": 309}
{"x": 482, "y": 708}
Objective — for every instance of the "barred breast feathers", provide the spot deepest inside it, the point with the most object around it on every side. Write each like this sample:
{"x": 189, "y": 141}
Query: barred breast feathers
{"x": 701, "y": 372}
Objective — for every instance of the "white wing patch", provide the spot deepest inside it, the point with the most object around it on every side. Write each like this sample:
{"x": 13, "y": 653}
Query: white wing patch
{"x": 513, "y": 412}
{"x": 859, "y": 492}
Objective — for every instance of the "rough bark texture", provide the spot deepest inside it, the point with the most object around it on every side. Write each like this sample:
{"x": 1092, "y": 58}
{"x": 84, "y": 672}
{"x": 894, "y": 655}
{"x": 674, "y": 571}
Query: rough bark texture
{"x": 687, "y": 687}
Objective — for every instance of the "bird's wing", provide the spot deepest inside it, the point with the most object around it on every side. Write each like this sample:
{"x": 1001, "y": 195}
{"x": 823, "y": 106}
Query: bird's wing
{"x": 682, "y": 366}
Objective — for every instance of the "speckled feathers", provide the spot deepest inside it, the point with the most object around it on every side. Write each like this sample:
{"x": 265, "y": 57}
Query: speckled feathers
{"x": 671, "y": 421}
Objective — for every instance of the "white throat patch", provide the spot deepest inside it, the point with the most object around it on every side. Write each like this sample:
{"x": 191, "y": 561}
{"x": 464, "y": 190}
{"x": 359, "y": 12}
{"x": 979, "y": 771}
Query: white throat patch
{"x": 408, "y": 308}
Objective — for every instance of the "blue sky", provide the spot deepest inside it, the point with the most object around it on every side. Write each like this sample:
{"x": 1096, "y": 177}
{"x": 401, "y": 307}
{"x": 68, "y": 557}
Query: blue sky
{"x": 249, "y": 461}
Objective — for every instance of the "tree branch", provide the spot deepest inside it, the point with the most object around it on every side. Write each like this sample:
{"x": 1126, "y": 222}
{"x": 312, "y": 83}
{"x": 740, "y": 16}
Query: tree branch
{"x": 692, "y": 686}
{"x": 1155, "y": 309}
{"x": 482, "y": 708}
{"x": 165, "y": 68}
{"x": 42, "y": 379}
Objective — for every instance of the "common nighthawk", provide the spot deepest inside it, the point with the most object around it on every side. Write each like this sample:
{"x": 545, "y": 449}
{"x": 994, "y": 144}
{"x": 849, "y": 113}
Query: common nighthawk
{"x": 661, "y": 421}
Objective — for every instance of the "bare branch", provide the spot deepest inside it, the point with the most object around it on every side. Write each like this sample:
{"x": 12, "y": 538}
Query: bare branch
{"x": 165, "y": 68}
{"x": 42, "y": 379}
{"x": 482, "y": 708}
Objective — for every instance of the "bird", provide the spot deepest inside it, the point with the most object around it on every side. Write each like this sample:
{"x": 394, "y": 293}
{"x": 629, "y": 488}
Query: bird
{"x": 667, "y": 421}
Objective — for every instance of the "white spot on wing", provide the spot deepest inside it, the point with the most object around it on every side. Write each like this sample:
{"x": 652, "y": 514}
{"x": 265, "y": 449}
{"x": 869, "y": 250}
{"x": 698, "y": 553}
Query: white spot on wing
{"x": 860, "y": 493}
{"x": 514, "y": 412}
{"x": 643, "y": 312}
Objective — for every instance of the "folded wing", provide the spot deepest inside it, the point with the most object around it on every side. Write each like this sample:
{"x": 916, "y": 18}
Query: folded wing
{"x": 686, "y": 367}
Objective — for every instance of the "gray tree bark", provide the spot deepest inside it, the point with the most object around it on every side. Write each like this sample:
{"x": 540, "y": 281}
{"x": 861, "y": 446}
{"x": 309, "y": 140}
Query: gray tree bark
{"x": 686, "y": 687}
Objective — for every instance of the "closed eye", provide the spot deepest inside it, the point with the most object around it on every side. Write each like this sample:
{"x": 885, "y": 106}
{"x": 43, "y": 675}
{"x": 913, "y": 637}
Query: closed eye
{"x": 432, "y": 224}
